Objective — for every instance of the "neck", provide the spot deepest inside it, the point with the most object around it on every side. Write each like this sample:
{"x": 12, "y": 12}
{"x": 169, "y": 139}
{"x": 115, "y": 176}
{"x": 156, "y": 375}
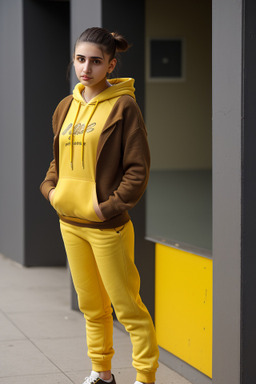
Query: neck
{"x": 90, "y": 92}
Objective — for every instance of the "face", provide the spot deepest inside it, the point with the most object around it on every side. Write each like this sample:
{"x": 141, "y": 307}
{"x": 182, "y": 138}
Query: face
{"x": 92, "y": 64}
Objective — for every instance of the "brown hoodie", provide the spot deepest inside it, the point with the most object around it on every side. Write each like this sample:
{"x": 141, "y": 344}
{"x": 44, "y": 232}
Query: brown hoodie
{"x": 122, "y": 163}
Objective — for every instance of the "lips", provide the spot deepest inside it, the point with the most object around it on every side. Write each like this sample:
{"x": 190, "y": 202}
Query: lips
{"x": 86, "y": 77}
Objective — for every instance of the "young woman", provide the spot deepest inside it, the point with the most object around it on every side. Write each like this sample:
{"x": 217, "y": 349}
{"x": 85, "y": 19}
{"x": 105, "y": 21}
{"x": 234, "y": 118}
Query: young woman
{"x": 100, "y": 171}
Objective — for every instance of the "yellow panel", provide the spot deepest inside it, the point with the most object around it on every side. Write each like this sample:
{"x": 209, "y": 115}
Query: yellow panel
{"x": 183, "y": 311}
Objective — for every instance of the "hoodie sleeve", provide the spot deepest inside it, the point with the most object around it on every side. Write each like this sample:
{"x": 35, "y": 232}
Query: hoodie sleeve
{"x": 51, "y": 177}
{"x": 50, "y": 180}
{"x": 58, "y": 117}
{"x": 136, "y": 165}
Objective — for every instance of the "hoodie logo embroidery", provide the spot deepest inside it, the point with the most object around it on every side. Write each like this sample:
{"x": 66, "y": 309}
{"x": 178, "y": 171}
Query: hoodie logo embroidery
{"x": 78, "y": 130}
{"x": 90, "y": 128}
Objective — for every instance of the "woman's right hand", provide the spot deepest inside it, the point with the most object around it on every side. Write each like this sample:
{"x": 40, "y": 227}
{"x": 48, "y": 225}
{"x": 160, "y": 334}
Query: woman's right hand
{"x": 51, "y": 195}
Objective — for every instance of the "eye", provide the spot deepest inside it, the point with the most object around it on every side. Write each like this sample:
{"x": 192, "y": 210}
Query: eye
{"x": 80, "y": 59}
{"x": 96, "y": 61}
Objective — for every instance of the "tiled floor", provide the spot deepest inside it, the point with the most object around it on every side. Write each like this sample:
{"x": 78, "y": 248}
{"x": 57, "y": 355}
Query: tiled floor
{"x": 42, "y": 341}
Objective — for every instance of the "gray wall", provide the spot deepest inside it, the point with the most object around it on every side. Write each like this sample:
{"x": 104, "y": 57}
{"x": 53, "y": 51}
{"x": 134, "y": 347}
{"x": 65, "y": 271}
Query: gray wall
{"x": 12, "y": 128}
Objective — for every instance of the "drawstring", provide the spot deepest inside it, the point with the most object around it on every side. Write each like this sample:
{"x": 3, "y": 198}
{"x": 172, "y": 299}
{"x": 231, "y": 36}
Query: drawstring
{"x": 71, "y": 138}
{"x": 72, "y": 134}
{"x": 82, "y": 141}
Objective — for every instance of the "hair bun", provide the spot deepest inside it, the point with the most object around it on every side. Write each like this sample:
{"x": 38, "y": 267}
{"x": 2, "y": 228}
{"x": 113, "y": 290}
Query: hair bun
{"x": 110, "y": 42}
{"x": 122, "y": 44}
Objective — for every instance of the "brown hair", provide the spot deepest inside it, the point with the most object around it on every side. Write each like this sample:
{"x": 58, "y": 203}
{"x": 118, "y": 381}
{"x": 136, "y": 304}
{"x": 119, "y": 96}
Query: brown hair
{"x": 109, "y": 42}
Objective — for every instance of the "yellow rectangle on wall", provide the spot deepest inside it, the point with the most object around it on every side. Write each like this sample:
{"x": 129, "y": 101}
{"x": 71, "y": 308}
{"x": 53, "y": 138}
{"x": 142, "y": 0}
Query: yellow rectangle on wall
{"x": 183, "y": 306}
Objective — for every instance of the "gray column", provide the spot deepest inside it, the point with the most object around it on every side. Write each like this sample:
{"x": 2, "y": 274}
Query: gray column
{"x": 227, "y": 125}
{"x": 248, "y": 270}
{"x": 46, "y": 58}
{"x": 12, "y": 126}
{"x": 34, "y": 56}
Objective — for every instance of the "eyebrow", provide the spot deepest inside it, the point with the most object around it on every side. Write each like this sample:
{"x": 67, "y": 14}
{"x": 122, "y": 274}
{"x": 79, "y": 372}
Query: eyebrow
{"x": 91, "y": 57}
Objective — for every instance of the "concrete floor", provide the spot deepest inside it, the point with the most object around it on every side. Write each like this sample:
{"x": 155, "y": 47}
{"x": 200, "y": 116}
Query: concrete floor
{"x": 42, "y": 341}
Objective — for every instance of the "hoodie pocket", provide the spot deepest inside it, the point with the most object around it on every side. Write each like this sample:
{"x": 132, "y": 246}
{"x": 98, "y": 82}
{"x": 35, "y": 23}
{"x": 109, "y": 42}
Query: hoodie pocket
{"x": 76, "y": 198}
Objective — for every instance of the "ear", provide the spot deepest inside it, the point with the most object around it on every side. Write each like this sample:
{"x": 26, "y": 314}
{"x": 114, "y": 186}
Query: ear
{"x": 112, "y": 65}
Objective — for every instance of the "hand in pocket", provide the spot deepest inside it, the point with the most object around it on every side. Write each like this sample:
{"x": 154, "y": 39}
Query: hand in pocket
{"x": 51, "y": 195}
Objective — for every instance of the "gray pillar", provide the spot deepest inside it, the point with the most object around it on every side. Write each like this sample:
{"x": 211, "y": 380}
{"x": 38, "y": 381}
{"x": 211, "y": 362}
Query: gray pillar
{"x": 12, "y": 126}
{"x": 34, "y": 57}
{"x": 248, "y": 270}
{"x": 227, "y": 96}
{"x": 46, "y": 58}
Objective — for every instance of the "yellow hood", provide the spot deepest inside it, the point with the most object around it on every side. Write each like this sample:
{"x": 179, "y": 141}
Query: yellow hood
{"x": 119, "y": 87}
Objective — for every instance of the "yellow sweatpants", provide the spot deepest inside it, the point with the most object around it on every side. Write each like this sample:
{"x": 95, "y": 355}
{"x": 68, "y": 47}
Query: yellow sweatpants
{"x": 103, "y": 271}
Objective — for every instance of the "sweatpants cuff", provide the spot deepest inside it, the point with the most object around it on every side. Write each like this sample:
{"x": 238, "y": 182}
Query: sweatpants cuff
{"x": 100, "y": 367}
{"x": 146, "y": 377}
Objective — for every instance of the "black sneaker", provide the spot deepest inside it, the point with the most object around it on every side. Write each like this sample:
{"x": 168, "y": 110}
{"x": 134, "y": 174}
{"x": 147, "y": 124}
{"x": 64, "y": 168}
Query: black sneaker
{"x": 95, "y": 379}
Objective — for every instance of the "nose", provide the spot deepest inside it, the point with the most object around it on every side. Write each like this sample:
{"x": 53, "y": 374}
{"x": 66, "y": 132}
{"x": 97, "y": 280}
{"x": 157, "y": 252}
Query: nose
{"x": 87, "y": 67}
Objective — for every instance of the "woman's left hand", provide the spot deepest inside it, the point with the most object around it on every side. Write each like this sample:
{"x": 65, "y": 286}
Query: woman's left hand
{"x": 99, "y": 213}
